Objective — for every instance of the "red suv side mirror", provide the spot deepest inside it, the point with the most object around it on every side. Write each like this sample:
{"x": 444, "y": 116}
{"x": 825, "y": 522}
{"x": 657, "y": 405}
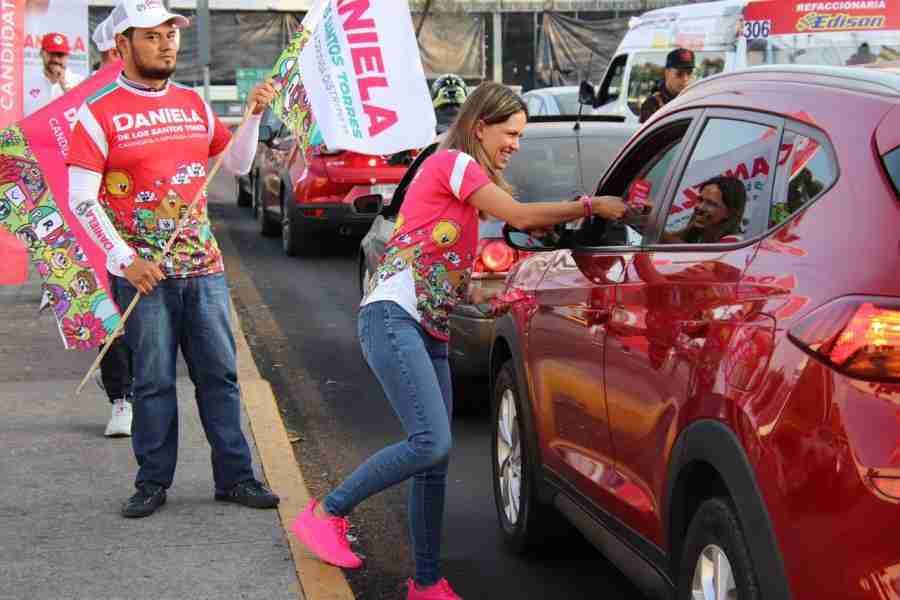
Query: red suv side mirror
{"x": 545, "y": 241}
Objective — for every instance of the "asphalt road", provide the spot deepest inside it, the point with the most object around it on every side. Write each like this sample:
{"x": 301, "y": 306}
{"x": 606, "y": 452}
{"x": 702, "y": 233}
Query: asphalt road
{"x": 299, "y": 317}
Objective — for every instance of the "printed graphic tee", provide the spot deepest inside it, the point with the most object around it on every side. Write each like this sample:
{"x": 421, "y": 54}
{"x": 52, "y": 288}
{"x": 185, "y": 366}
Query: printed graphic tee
{"x": 428, "y": 260}
{"x": 152, "y": 148}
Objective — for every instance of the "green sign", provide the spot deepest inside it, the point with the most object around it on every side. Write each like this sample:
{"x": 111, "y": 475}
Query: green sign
{"x": 247, "y": 79}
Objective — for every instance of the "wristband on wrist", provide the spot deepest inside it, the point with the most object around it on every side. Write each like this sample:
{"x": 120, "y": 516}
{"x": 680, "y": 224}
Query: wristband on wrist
{"x": 588, "y": 203}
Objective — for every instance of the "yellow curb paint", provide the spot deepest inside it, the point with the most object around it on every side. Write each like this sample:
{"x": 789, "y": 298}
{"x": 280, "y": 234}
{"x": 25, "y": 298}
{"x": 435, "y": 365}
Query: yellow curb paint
{"x": 318, "y": 581}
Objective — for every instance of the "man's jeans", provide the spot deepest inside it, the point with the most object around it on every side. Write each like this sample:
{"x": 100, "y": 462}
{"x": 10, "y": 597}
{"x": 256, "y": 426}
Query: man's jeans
{"x": 192, "y": 314}
{"x": 414, "y": 372}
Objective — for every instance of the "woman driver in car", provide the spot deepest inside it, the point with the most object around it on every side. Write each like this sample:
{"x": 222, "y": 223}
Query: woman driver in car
{"x": 717, "y": 215}
{"x": 404, "y": 323}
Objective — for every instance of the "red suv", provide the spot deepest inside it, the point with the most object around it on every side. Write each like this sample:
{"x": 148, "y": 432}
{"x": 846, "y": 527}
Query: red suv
{"x": 710, "y": 389}
{"x": 307, "y": 201}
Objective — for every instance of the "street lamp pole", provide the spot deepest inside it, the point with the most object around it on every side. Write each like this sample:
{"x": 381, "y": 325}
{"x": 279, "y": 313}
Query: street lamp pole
{"x": 203, "y": 43}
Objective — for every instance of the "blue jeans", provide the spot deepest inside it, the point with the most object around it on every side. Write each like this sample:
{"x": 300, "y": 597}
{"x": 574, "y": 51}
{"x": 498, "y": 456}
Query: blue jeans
{"x": 414, "y": 372}
{"x": 191, "y": 314}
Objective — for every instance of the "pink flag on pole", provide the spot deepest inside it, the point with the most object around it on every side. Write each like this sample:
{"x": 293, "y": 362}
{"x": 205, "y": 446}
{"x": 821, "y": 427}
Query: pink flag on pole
{"x": 34, "y": 206}
{"x": 48, "y": 132}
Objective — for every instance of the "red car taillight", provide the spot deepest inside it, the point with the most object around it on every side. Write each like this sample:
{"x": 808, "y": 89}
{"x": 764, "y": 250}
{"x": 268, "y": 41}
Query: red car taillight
{"x": 858, "y": 336}
{"x": 494, "y": 256}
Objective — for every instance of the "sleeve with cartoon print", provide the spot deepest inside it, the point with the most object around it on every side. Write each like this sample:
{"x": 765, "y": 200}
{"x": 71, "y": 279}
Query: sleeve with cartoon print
{"x": 465, "y": 176}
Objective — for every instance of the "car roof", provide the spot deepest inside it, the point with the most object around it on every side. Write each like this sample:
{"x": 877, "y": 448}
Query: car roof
{"x": 700, "y": 9}
{"x": 852, "y": 79}
{"x": 559, "y": 89}
{"x": 566, "y": 127}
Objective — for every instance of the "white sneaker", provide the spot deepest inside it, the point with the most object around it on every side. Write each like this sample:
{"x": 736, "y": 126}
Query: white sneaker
{"x": 120, "y": 422}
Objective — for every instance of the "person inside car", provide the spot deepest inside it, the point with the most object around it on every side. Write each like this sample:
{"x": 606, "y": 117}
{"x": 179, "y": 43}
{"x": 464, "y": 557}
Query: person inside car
{"x": 404, "y": 323}
{"x": 717, "y": 216}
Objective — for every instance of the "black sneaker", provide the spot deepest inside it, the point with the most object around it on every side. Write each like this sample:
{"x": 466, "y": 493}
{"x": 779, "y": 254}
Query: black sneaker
{"x": 250, "y": 493}
{"x": 144, "y": 503}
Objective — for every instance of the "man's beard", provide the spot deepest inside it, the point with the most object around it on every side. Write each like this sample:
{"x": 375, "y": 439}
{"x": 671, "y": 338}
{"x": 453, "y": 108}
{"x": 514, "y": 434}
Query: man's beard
{"x": 147, "y": 72}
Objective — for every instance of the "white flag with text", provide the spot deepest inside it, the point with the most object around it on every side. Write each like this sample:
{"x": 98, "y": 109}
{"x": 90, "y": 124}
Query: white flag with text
{"x": 364, "y": 78}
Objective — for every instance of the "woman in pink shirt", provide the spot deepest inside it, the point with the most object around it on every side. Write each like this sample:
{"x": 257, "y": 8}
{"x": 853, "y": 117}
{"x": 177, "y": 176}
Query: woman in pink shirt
{"x": 403, "y": 322}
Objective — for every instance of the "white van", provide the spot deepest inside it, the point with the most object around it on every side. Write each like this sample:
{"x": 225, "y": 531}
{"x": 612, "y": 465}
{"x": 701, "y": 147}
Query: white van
{"x": 733, "y": 34}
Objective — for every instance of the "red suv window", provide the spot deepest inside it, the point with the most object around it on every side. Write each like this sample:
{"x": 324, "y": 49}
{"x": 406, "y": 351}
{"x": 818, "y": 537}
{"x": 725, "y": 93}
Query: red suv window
{"x": 723, "y": 195}
{"x": 805, "y": 169}
{"x": 892, "y": 164}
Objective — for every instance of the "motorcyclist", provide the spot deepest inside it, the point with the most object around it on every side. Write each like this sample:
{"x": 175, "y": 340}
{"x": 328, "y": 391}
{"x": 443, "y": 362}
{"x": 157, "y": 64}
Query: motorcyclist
{"x": 448, "y": 92}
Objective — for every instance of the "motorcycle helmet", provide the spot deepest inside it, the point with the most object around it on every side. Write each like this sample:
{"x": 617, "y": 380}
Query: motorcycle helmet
{"x": 448, "y": 90}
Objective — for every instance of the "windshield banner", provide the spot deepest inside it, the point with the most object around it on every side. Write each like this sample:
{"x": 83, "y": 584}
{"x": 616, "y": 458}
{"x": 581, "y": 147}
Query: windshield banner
{"x": 777, "y": 17}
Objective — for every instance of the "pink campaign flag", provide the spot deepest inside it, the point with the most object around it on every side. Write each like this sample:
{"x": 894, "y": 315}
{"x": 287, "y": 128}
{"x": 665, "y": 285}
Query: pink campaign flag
{"x": 34, "y": 206}
{"x": 14, "y": 266}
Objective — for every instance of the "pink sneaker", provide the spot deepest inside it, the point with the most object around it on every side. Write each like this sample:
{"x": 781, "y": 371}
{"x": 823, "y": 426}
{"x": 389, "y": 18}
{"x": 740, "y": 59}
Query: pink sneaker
{"x": 326, "y": 537}
{"x": 439, "y": 591}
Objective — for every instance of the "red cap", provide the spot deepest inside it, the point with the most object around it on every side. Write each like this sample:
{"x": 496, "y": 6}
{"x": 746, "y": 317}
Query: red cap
{"x": 55, "y": 42}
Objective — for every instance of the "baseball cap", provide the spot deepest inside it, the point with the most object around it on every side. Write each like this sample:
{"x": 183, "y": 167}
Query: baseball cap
{"x": 103, "y": 35}
{"x": 55, "y": 42}
{"x": 142, "y": 13}
{"x": 680, "y": 58}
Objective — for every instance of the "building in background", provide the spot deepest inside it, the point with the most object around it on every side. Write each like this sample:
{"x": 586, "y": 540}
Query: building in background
{"x": 523, "y": 43}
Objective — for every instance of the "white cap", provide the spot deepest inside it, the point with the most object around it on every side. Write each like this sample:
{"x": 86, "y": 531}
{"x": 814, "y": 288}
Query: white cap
{"x": 145, "y": 14}
{"x": 103, "y": 36}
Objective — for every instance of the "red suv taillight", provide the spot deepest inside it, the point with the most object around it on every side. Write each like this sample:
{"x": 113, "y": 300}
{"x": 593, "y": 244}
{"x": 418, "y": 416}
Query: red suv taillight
{"x": 494, "y": 256}
{"x": 858, "y": 336}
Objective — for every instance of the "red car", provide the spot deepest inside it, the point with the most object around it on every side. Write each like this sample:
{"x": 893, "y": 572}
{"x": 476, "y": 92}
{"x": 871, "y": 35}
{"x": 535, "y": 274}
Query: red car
{"x": 308, "y": 202}
{"x": 715, "y": 401}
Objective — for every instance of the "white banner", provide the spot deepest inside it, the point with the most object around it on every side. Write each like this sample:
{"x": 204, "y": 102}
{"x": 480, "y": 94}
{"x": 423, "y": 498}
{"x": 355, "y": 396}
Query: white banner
{"x": 364, "y": 78}
{"x": 69, "y": 17}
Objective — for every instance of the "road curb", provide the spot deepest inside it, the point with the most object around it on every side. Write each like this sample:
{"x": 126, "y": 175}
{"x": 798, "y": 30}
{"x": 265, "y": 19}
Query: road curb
{"x": 318, "y": 581}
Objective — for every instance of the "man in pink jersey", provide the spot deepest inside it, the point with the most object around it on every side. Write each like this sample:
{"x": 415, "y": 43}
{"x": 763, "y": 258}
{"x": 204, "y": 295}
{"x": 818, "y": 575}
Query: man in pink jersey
{"x": 139, "y": 155}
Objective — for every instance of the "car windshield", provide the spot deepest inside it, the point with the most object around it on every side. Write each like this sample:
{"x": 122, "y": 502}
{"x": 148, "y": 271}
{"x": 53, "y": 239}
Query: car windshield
{"x": 838, "y": 49}
{"x": 544, "y": 169}
{"x": 567, "y": 102}
{"x": 648, "y": 70}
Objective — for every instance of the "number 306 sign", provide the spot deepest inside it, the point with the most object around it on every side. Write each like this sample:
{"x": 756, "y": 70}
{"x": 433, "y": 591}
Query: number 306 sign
{"x": 757, "y": 29}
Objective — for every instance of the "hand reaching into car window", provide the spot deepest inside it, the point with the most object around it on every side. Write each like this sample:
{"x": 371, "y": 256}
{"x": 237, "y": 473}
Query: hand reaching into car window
{"x": 496, "y": 202}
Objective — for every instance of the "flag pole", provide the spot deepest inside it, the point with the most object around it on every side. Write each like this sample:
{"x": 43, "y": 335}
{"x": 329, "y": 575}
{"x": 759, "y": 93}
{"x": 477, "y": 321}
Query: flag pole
{"x": 168, "y": 247}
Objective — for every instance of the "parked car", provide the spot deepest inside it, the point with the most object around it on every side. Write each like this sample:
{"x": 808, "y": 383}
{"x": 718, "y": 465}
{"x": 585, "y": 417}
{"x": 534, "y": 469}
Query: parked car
{"x": 720, "y": 418}
{"x": 556, "y": 162}
{"x": 273, "y": 136}
{"x": 311, "y": 201}
{"x": 554, "y": 101}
